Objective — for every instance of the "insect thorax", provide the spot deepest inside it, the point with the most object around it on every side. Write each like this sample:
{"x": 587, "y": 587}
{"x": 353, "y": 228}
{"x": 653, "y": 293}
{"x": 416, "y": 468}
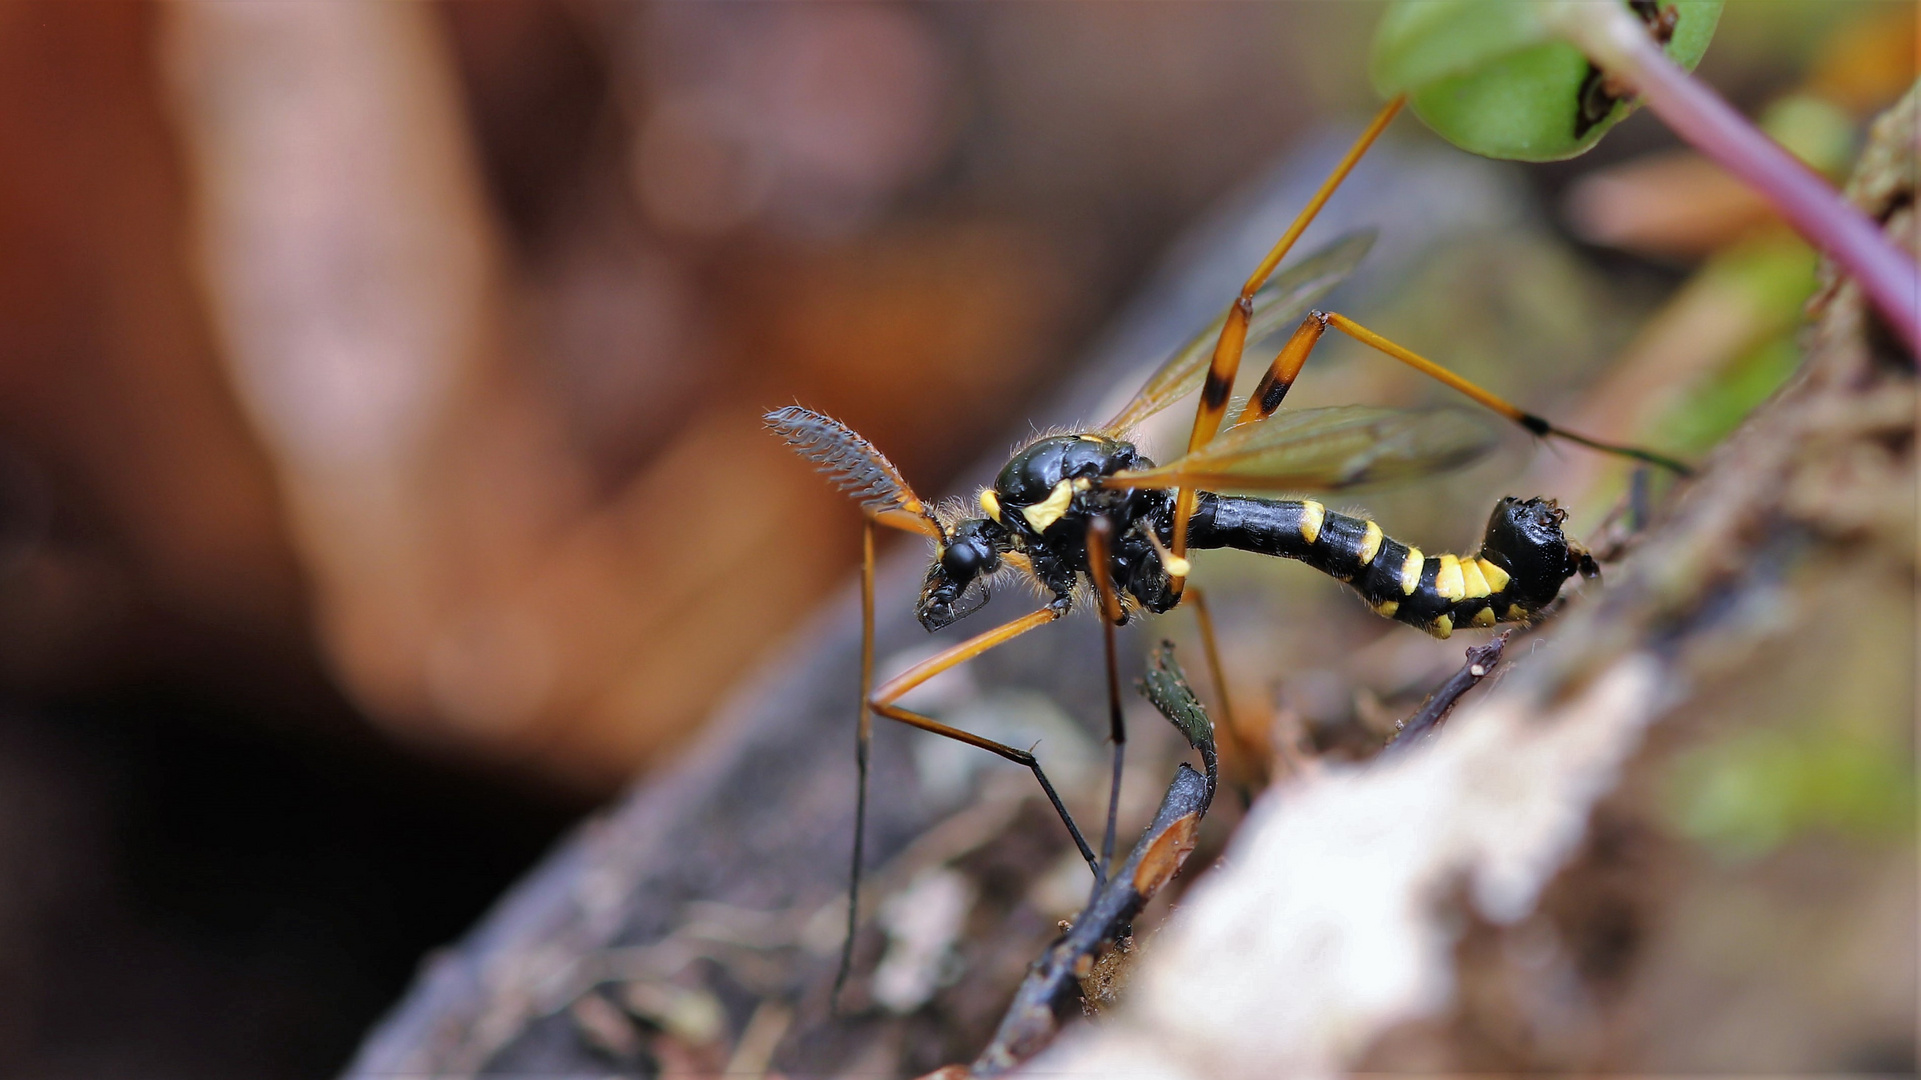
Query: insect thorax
{"x": 1053, "y": 478}
{"x": 1048, "y": 492}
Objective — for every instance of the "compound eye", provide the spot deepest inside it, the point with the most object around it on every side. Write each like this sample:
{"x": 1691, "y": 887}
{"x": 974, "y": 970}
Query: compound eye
{"x": 963, "y": 559}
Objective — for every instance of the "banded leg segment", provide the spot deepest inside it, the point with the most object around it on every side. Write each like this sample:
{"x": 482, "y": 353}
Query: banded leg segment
{"x": 1281, "y": 373}
{"x": 1538, "y": 425}
{"x": 1227, "y": 350}
{"x": 1293, "y": 355}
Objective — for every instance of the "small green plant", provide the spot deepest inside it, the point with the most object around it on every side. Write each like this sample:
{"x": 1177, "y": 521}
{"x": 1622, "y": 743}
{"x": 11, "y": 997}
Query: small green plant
{"x": 1544, "y": 79}
{"x": 1495, "y": 78}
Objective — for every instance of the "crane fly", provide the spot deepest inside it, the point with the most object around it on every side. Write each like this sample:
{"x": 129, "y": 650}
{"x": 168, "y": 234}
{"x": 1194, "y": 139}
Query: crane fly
{"x": 1086, "y": 516}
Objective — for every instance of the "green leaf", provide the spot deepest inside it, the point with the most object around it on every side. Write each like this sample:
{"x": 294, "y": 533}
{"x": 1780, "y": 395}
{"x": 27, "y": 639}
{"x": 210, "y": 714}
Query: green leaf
{"x": 1421, "y": 43}
{"x": 1165, "y": 684}
{"x": 1490, "y": 77}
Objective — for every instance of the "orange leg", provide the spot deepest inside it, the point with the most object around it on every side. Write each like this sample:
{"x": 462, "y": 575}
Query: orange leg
{"x": 1533, "y": 423}
{"x": 1281, "y": 373}
{"x": 1214, "y": 669}
{"x": 955, "y": 655}
{"x": 1287, "y": 365}
{"x": 882, "y": 701}
{"x": 1247, "y": 763}
{"x": 1227, "y": 351}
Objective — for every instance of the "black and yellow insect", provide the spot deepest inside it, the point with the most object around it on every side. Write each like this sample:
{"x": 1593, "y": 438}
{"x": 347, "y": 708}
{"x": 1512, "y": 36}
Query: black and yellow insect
{"x": 1089, "y": 507}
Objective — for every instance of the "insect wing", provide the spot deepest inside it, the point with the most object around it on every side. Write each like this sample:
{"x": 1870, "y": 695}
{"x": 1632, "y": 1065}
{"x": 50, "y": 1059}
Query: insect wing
{"x": 1332, "y": 449}
{"x": 1282, "y": 301}
{"x": 854, "y": 466}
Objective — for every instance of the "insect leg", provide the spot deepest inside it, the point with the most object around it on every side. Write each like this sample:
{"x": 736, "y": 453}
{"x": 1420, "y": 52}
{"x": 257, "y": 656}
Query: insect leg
{"x": 1244, "y": 760}
{"x": 864, "y": 736}
{"x": 1100, "y": 536}
{"x": 1018, "y": 757}
{"x": 1281, "y": 373}
{"x": 863, "y": 739}
{"x": 1535, "y": 424}
{"x": 882, "y": 702}
{"x": 1214, "y": 670}
{"x": 1227, "y": 351}
{"x": 955, "y": 655}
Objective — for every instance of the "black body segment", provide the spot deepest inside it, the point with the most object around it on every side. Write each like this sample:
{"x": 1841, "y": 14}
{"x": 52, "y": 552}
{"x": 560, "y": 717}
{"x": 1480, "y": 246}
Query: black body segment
{"x": 1038, "y": 513}
{"x": 1524, "y": 559}
{"x": 1032, "y": 474}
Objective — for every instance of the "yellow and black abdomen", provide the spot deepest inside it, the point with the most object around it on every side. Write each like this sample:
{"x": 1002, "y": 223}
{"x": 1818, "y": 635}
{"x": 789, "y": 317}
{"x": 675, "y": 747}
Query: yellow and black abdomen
{"x": 1524, "y": 559}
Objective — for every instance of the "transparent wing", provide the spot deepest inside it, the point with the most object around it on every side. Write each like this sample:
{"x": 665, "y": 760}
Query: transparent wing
{"x": 854, "y": 466}
{"x": 1279, "y": 305}
{"x": 1332, "y": 449}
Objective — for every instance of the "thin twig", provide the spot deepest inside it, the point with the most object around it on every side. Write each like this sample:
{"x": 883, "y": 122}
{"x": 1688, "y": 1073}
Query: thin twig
{"x": 1048, "y": 992}
{"x": 1481, "y": 659}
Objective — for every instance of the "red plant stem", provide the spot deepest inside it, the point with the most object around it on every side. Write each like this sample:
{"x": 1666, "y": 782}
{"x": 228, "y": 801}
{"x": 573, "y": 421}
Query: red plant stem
{"x": 1620, "y": 45}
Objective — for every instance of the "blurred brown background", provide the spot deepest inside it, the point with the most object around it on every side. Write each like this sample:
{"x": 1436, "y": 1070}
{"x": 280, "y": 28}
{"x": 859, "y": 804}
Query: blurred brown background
{"x": 381, "y": 479}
